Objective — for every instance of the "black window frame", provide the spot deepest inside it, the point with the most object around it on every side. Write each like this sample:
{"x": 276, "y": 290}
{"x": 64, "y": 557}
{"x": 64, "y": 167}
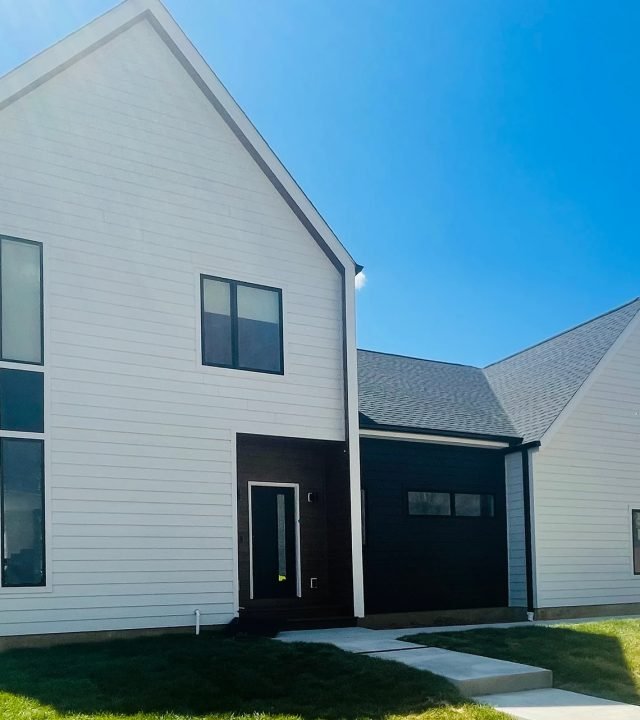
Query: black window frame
{"x": 452, "y": 504}
{"x": 40, "y": 363}
{"x": 3, "y": 581}
{"x": 233, "y": 314}
{"x": 634, "y": 512}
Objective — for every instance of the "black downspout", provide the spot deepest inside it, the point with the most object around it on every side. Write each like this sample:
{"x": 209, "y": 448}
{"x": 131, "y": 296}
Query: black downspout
{"x": 526, "y": 487}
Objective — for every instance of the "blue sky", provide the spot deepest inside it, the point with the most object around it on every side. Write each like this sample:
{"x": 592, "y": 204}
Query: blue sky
{"x": 481, "y": 159}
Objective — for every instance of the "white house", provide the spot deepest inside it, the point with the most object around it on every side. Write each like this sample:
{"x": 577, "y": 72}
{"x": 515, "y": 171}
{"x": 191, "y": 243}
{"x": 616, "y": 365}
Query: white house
{"x": 177, "y": 328}
{"x": 491, "y": 492}
{"x": 181, "y": 418}
{"x": 575, "y": 399}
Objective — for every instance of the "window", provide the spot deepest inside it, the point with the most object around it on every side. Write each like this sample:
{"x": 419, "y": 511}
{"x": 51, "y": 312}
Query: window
{"x": 635, "y": 526}
{"x": 241, "y": 325}
{"x": 22, "y": 520}
{"x": 20, "y": 300}
{"x": 429, "y": 503}
{"x": 449, "y": 504}
{"x": 22, "y": 509}
{"x": 282, "y": 537}
{"x": 470, "y": 505}
{"x": 21, "y": 401}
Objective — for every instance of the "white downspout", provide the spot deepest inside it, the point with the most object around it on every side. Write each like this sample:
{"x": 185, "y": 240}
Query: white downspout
{"x": 197, "y": 614}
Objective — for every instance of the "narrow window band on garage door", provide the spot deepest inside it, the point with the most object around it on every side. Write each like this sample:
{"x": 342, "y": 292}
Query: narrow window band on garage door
{"x": 421, "y": 503}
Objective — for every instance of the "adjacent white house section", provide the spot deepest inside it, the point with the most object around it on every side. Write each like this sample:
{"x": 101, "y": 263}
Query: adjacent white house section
{"x": 586, "y": 482}
{"x": 515, "y": 530}
{"x": 121, "y": 167}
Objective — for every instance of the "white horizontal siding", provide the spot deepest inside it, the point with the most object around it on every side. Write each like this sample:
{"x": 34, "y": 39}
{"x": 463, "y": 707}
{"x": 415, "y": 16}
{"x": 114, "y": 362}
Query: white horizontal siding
{"x": 586, "y": 480}
{"x": 134, "y": 184}
{"x": 515, "y": 531}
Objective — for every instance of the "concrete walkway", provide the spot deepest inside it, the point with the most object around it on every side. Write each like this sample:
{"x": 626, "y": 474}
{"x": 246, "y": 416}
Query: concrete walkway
{"x": 523, "y": 691}
{"x": 555, "y": 704}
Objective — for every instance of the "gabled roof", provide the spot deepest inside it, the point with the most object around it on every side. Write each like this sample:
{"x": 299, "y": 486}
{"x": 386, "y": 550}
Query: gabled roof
{"x": 518, "y": 397}
{"x": 397, "y": 392}
{"x": 536, "y": 384}
{"x": 100, "y": 31}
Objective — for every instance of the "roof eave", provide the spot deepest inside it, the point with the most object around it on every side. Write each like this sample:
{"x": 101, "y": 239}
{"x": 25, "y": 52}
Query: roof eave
{"x": 491, "y": 437}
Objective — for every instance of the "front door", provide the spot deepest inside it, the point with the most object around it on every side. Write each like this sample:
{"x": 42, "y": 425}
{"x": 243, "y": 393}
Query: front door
{"x": 274, "y": 572}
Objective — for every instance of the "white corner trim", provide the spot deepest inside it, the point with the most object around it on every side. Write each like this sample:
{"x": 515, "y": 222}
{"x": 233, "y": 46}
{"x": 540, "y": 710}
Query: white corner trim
{"x": 435, "y": 439}
{"x": 353, "y": 440}
{"x": 589, "y": 381}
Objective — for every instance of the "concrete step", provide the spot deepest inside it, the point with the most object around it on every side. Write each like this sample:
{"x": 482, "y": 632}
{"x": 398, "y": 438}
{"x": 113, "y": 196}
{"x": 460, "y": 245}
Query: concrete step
{"x": 472, "y": 674}
{"x": 352, "y": 639}
{"x": 553, "y": 704}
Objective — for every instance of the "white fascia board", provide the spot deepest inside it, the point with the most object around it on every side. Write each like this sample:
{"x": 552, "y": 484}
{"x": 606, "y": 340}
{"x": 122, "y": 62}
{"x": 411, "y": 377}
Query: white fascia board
{"x": 435, "y": 439}
{"x": 48, "y": 63}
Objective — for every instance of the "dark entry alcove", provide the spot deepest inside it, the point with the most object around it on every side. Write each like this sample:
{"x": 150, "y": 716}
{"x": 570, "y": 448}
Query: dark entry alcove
{"x": 281, "y": 481}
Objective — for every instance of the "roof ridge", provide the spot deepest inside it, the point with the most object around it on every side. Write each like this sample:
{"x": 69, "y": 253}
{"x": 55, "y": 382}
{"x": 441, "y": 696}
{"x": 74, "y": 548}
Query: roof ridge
{"x": 563, "y": 332}
{"x": 412, "y": 357}
{"x": 500, "y": 403}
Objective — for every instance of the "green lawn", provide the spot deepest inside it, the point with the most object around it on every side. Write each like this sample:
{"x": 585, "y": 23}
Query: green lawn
{"x": 601, "y": 658}
{"x": 179, "y": 677}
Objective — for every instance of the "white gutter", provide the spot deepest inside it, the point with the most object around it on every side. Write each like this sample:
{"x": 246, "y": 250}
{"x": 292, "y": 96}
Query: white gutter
{"x": 435, "y": 439}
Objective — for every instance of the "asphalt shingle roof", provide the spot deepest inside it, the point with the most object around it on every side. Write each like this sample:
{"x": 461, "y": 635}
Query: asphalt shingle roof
{"x": 424, "y": 395}
{"x": 535, "y": 385}
{"x": 519, "y": 396}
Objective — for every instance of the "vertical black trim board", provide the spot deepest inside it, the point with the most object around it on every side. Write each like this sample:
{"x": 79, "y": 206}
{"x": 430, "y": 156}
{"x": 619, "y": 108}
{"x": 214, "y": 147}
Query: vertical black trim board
{"x": 202, "y": 319}
{"x": 526, "y": 490}
{"x": 41, "y": 303}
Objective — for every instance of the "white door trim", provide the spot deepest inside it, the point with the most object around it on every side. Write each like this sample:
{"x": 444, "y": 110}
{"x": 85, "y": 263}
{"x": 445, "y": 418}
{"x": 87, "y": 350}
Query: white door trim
{"x": 296, "y": 488}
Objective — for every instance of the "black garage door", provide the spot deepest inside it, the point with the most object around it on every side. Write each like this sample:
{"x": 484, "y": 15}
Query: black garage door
{"x": 435, "y": 527}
